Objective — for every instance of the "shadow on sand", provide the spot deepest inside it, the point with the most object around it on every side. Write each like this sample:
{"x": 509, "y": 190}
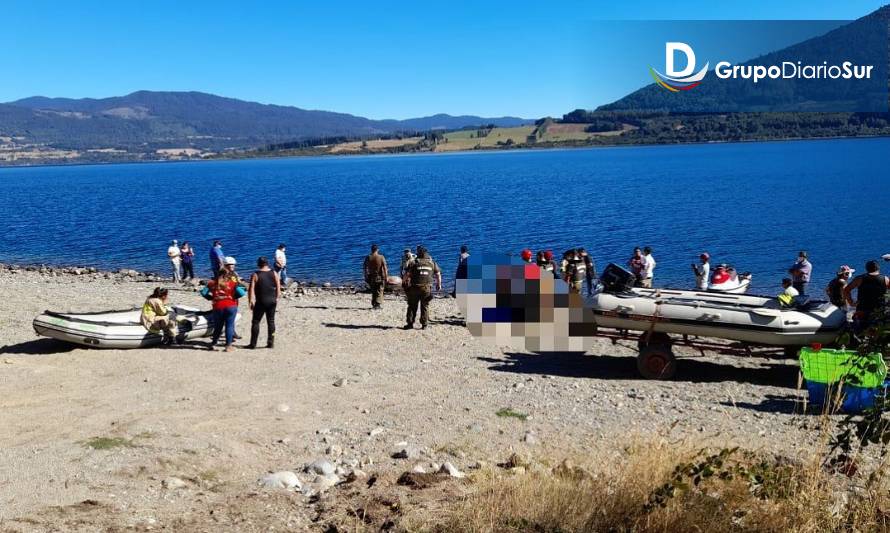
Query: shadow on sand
{"x": 449, "y": 321}
{"x": 357, "y": 326}
{"x": 693, "y": 370}
{"x": 38, "y": 347}
{"x": 774, "y": 404}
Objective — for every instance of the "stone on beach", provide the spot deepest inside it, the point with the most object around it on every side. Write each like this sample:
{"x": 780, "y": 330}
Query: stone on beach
{"x": 322, "y": 467}
{"x": 281, "y": 480}
{"x": 173, "y": 483}
{"x": 451, "y": 470}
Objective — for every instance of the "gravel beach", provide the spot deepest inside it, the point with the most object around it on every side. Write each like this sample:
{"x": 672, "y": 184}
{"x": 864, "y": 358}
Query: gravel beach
{"x": 178, "y": 437}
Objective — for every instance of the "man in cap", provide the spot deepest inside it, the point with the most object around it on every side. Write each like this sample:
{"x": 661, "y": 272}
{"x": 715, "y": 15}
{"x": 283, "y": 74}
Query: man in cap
{"x": 419, "y": 278}
{"x": 702, "y": 271}
{"x": 375, "y": 272}
{"x": 800, "y": 272}
{"x": 174, "y": 255}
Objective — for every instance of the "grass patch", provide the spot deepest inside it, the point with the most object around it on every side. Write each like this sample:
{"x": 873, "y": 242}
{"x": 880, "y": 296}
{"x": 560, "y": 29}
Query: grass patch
{"x": 108, "y": 443}
{"x": 666, "y": 487}
{"x": 508, "y": 412}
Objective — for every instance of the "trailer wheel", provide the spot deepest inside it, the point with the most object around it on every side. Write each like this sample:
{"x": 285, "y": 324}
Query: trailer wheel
{"x": 657, "y": 361}
{"x": 652, "y": 339}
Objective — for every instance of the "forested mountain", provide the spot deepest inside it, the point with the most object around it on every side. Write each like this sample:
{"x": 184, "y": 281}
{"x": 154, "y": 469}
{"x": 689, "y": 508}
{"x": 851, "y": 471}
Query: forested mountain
{"x": 176, "y": 119}
{"x": 855, "y": 42}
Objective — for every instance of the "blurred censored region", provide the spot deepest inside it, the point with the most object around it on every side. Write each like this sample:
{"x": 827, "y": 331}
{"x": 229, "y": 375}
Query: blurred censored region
{"x": 508, "y": 302}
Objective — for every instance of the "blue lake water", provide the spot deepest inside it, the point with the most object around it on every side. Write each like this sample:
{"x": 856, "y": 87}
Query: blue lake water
{"x": 752, "y": 204}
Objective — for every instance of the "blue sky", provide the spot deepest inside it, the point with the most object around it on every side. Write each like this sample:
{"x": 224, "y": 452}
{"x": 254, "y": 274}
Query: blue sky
{"x": 375, "y": 59}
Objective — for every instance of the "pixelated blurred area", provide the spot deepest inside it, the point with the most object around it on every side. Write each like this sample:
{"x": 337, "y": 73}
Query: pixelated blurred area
{"x": 508, "y": 302}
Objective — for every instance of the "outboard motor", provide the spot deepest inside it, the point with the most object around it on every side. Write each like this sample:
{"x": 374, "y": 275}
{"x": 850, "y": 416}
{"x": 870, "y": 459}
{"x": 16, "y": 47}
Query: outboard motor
{"x": 616, "y": 279}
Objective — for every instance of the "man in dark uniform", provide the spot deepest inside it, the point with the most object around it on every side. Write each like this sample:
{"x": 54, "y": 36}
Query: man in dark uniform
{"x": 375, "y": 275}
{"x": 419, "y": 277}
{"x": 575, "y": 272}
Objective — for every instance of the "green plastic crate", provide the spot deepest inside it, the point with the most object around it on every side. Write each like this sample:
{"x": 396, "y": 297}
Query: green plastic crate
{"x": 831, "y": 366}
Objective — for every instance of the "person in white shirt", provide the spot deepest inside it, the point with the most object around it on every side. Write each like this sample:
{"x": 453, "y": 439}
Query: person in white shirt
{"x": 175, "y": 256}
{"x": 702, "y": 272}
{"x": 281, "y": 263}
{"x": 648, "y": 268}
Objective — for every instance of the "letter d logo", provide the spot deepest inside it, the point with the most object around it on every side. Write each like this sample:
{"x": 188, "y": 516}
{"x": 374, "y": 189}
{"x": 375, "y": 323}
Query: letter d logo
{"x": 683, "y": 80}
{"x": 670, "y": 50}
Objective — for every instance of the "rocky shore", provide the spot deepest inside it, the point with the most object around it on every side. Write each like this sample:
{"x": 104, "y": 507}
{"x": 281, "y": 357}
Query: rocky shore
{"x": 346, "y": 411}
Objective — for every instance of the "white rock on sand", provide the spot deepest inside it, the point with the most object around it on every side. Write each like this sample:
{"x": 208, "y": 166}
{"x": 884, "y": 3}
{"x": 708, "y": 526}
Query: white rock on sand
{"x": 281, "y": 480}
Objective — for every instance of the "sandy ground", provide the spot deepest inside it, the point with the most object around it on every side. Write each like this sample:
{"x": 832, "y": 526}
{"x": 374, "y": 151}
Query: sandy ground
{"x": 343, "y": 382}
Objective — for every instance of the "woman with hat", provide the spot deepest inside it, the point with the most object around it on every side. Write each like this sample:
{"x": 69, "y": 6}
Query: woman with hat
{"x": 835, "y": 289}
{"x": 225, "y": 289}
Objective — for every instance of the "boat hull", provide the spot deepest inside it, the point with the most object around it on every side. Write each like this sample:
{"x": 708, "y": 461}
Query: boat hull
{"x": 750, "y": 319}
{"x": 118, "y": 329}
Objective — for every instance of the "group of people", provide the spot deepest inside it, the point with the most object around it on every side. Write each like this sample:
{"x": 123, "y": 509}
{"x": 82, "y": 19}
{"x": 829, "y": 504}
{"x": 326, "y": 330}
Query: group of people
{"x": 224, "y": 290}
{"x": 419, "y": 273}
{"x": 575, "y": 268}
{"x": 182, "y": 260}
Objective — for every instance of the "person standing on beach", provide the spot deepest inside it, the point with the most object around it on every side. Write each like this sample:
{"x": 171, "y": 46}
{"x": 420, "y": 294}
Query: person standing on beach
{"x": 188, "y": 261}
{"x": 589, "y": 269}
{"x": 262, "y": 296}
{"x": 702, "y": 272}
{"x": 175, "y": 260}
{"x": 419, "y": 278}
{"x": 461, "y": 271}
{"x": 575, "y": 272}
{"x": 375, "y": 273}
{"x": 407, "y": 257}
{"x": 800, "y": 272}
{"x": 216, "y": 258}
{"x": 225, "y": 303}
{"x": 281, "y": 263}
{"x": 636, "y": 264}
{"x": 871, "y": 292}
{"x": 648, "y": 268}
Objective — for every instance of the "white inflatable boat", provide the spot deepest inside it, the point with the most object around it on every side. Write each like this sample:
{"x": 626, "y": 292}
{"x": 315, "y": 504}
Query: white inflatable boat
{"x": 750, "y": 319}
{"x": 118, "y": 329}
{"x": 725, "y": 279}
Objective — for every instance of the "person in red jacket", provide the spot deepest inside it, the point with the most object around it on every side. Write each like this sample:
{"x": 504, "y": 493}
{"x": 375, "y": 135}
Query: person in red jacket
{"x": 225, "y": 302}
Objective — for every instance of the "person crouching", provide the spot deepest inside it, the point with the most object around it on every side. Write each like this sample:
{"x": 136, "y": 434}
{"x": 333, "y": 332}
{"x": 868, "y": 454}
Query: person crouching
{"x": 156, "y": 317}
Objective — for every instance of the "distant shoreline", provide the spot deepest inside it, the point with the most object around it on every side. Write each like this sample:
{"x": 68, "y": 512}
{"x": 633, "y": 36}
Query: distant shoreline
{"x": 493, "y": 149}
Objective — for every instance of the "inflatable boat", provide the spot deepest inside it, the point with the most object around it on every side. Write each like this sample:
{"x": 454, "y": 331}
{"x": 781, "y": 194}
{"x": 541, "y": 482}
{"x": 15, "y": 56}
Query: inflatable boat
{"x": 118, "y": 329}
{"x": 725, "y": 279}
{"x": 749, "y": 319}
